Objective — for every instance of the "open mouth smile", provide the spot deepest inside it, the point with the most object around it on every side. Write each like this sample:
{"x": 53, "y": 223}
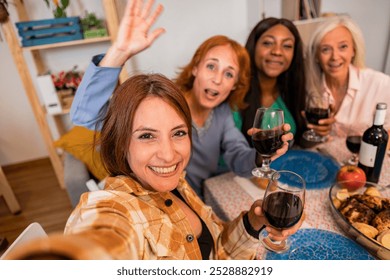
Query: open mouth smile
{"x": 212, "y": 93}
{"x": 334, "y": 65}
{"x": 163, "y": 170}
{"x": 274, "y": 63}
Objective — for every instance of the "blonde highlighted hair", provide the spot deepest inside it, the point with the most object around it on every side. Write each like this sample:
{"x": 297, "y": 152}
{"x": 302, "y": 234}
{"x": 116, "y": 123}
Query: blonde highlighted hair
{"x": 314, "y": 71}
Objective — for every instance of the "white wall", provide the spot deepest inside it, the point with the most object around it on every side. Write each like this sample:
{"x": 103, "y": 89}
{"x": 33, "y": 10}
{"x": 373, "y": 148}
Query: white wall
{"x": 188, "y": 23}
{"x": 373, "y": 17}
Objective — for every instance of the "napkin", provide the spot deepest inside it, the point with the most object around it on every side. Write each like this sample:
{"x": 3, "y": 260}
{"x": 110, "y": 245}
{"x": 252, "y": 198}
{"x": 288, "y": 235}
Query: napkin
{"x": 250, "y": 188}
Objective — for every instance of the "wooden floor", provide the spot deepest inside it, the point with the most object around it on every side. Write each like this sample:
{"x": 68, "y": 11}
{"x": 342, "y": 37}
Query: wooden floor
{"x": 40, "y": 197}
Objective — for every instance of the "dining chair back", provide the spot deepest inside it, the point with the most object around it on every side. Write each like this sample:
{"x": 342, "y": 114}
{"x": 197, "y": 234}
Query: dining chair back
{"x": 34, "y": 230}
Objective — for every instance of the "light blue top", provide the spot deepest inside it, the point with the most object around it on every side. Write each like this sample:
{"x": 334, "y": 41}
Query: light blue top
{"x": 218, "y": 136}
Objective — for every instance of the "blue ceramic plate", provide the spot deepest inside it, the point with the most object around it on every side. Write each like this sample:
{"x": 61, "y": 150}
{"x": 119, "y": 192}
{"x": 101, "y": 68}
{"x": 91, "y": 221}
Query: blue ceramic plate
{"x": 316, "y": 244}
{"x": 319, "y": 171}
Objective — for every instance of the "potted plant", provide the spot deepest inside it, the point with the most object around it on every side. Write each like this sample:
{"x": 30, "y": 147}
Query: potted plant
{"x": 66, "y": 83}
{"x": 92, "y": 26}
{"x": 58, "y": 7}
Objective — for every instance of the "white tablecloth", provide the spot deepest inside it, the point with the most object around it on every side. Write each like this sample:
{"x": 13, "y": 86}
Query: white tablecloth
{"x": 229, "y": 194}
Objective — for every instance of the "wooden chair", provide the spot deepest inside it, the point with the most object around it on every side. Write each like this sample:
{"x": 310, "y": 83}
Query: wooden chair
{"x": 9, "y": 196}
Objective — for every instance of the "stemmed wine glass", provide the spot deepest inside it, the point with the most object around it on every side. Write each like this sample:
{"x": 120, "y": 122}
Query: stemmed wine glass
{"x": 266, "y": 137}
{"x": 283, "y": 204}
{"x": 317, "y": 108}
{"x": 353, "y": 140}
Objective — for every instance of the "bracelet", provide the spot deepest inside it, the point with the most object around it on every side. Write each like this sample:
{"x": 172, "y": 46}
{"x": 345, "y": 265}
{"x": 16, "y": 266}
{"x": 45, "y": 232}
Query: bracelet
{"x": 248, "y": 227}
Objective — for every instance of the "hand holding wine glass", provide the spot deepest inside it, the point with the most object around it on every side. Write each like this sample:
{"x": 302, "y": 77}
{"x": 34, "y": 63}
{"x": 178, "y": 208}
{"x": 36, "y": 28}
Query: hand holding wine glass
{"x": 266, "y": 137}
{"x": 283, "y": 205}
{"x": 317, "y": 108}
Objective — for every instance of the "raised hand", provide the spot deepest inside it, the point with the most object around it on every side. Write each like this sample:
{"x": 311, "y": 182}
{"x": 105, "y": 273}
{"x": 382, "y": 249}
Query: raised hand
{"x": 134, "y": 34}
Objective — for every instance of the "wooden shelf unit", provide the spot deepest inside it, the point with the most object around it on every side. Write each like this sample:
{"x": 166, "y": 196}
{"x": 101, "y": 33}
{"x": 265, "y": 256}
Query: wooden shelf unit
{"x": 67, "y": 44}
{"x": 12, "y": 39}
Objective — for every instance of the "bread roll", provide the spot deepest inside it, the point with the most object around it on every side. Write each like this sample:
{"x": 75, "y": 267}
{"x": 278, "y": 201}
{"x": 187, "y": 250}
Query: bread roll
{"x": 384, "y": 238}
{"x": 366, "y": 229}
{"x": 260, "y": 182}
{"x": 342, "y": 194}
{"x": 373, "y": 191}
{"x": 336, "y": 202}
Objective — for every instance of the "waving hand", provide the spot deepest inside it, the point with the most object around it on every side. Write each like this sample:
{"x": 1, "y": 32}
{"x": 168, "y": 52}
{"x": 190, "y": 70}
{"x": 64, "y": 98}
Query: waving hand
{"x": 134, "y": 34}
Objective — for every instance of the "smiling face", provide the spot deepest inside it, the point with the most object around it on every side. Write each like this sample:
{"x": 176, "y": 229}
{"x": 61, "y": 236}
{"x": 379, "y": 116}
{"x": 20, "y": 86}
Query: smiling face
{"x": 215, "y": 77}
{"x": 159, "y": 147}
{"x": 335, "y": 53}
{"x": 274, "y": 51}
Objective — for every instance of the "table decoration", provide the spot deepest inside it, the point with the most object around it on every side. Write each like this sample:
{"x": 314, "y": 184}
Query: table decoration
{"x": 319, "y": 171}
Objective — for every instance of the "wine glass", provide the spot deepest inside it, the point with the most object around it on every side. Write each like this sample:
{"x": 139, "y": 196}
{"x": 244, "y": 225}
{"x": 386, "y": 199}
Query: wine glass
{"x": 353, "y": 140}
{"x": 317, "y": 108}
{"x": 283, "y": 204}
{"x": 266, "y": 137}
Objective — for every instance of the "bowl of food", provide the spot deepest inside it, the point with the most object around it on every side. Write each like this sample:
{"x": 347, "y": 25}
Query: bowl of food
{"x": 364, "y": 214}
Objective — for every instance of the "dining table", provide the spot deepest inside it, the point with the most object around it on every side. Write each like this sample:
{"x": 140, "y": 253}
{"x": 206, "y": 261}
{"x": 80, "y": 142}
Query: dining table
{"x": 229, "y": 195}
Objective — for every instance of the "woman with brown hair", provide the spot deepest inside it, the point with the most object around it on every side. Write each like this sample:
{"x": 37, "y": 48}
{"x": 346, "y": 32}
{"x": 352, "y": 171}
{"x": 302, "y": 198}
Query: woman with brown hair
{"x": 147, "y": 210}
{"x": 216, "y": 77}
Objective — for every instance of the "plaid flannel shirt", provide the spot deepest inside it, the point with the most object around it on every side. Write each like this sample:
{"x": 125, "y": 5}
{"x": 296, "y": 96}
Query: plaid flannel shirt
{"x": 128, "y": 222}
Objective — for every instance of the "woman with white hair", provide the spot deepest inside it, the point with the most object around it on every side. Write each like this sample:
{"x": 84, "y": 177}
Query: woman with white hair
{"x": 336, "y": 67}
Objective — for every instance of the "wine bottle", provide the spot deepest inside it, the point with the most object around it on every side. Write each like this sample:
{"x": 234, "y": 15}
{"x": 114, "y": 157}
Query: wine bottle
{"x": 373, "y": 147}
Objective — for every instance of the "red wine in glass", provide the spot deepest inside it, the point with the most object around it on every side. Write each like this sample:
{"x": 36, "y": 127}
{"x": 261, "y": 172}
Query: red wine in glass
{"x": 283, "y": 205}
{"x": 353, "y": 140}
{"x": 267, "y": 142}
{"x": 317, "y": 108}
{"x": 313, "y": 115}
{"x": 353, "y": 143}
{"x": 266, "y": 138}
{"x": 283, "y": 209}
